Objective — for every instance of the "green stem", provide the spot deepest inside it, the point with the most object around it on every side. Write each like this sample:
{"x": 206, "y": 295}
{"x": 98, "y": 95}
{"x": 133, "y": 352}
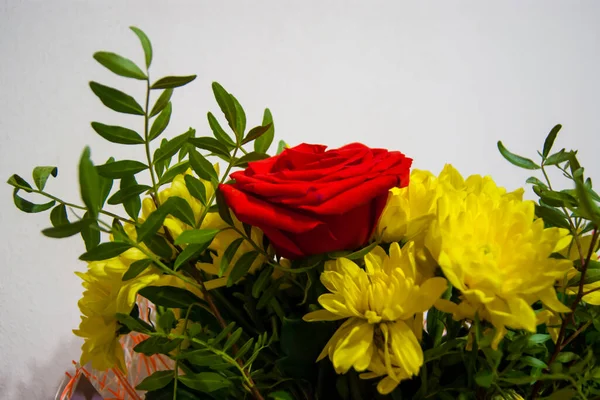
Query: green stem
{"x": 147, "y": 142}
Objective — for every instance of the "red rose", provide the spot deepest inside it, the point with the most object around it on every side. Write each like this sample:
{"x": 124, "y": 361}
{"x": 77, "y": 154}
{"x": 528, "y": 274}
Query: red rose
{"x": 311, "y": 201}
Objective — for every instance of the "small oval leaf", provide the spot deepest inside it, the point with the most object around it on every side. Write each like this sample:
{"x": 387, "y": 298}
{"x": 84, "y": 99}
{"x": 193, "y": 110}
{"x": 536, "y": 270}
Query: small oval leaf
{"x": 119, "y": 65}
{"x": 171, "y": 82}
{"x": 117, "y": 134}
{"x": 514, "y": 159}
{"x": 105, "y": 251}
{"x": 120, "y": 169}
{"x": 116, "y": 100}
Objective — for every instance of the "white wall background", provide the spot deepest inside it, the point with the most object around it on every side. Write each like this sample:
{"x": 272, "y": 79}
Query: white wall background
{"x": 441, "y": 81}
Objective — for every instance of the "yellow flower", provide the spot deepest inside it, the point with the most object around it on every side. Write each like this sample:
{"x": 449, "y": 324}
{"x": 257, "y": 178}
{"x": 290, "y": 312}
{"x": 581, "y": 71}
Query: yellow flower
{"x": 573, "y": 254}
{"x": 383, "y": 305}
{"x": 490, "y": 248}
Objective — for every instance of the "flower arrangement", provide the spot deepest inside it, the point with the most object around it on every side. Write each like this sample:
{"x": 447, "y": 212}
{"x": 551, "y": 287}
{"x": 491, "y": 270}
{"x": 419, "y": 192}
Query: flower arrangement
{"x": 323, "y": 273}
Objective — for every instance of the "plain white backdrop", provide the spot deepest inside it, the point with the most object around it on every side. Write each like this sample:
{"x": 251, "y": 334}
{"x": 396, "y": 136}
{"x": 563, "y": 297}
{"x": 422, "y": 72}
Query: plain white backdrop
{"x": 440, "y": 81}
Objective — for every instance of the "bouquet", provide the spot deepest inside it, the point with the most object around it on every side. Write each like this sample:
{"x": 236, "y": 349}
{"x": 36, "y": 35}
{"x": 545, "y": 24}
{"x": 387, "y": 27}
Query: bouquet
{"x": 317, "y": 273}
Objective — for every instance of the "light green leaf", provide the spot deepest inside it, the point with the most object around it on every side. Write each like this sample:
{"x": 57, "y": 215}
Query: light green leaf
{"x": 250, "y": 157}
{"x": 240, "y": 118}
{"x": 558, "y": 158}
{"x": 89, "y": 183}
{"x": 41, "y": 174}
{"x": 120, "y": 169}
{"x": 119, "y": 65}
{"x": 161, "y": 122}
{"x": 117, "y": 134}
{"x": 20, "y": 183}
{"x": 162, "y": 101}
{"x": 196, "y": 236}
{"x": 226, "y": 104}
{"x": 171, "y": 82}
{"x": 105, "y": 251}
{"x": 263, "y": 142}
{"x": 131, "y": 203}
{"x": 514, "y": 159}
{"x": 533, "y": 362}
{"x": 586, "y": 203}
{"x": 146, "y": 45}
{"x": 205, "y": 381}
{"x": 156, "y": 381}
{"x": 116, "y": 100}
{"x": 281, "y": 147}
{"x": 136, "y": 268}
{"x": 127, "y": 193}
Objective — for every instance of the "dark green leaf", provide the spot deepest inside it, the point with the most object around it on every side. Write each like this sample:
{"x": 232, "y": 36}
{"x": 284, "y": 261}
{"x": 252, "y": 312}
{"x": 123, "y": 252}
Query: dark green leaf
{"x": 90, "y": 184}
{"x": 241, "y": 267}
{"x": 205, "y": 381}
{"x": 354, "y": 255}
{"x": 515, "y": 159}
{"x": 240, "y": 118}
{"x": 566, "y": 357}
{"x": 18, "y": 182}
{"x": 535, "y": 181}
{"x": 196, "y": 188}
{"x": 557, "y": 158}
{"x": 210, "y": 144}
{"x": 256, "y": 133}
{"x": 533, "y": 362}
{"x": 152, "y": 224}
{"x": 58, "y": 215}
{"x": 538, "y": 338}
{"x": 132, "y": 323}
{"x": 263, "y": 280}
{"x": 591, "y": 276}
{"x": 173, "y": 146}
{"x": 189, "y": 253}
{"x": 224, "y": 332}
{"x": 90, "y": 232}
{"x": 573, "y": 162}
{"x": 175, "y": 170}
{"x": 223, "y": 208}
{"x": 231, "y": 340}
{"x": 228, "y": 255}
{"x": 171, "y": 82}
{"x": 127, "y": 193}
{"x": 29, "y": 207}
{"x": 218, "y": 132}
{"x": 249, "y": 158}
{"x": 484, "y": 378}
{"x": 550, "y": 139}
{"x": 63, "y": 230}
{"x": 552, "y": 216}
{"x": 105, "y": 251}
{"x": 136, "y": 268}
{"x": 117, "y": 134}
{"x": 161, "y": 122}
{"x": 201, "y": 358}
{"x": 197, "y": 236}
{"x": 263, "y": 142}
{"x": 244, "y": 349}
{"x": 280, "y": 395}
{"x": 180, "y": 209}
{"x": 132, "y": 203}
{"x": 226, "y": 104}
{"x": 167, "y": 320}
{"x": 145, "y": 44}
{"x": 41, "y": 174}
{"x": 156, "y": 345}
{"x": 281, "y": 147}
{"x": 119, "y": 65}
{"x": 120, "y": 169}
{"x": 555, "y": 199}
{"x": 157, "y": 380}
{"x": 169, "y": 296}
{"x": 106, "y": 185}
{"x": 587, "y": 204}
{"x": 202, "y": 167}
{"x": 159, "y": 246}
{"x": 162, "y": 102}
{"x": 116, "y": 100}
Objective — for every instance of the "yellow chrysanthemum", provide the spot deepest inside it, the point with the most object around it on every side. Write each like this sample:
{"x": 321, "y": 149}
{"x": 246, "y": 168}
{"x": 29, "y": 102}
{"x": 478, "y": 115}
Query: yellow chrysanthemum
{"x": 383, "y": 305}
{"x": 491, "y": 248}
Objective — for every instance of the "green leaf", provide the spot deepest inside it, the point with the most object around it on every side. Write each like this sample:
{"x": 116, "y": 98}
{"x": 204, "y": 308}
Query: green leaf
{"x": 157, "y": 380}
{"x": 161, "y": 122}
{"x": 538, "y": 338}
{"x": 117, "y": 134}
{"x": 535, "y": 181}
{"x": 58, "y": 215}
{"x": 119, "y": 65}
{"x": 205, "y": 381}
{"x": 263, "y": 280}
{"x": 210, "y": 144}
{"x": 224, "y": 332}
{"x": 218, "y": 132}
{"x": 136, "y": 268}
{"x": 29, "y": 207}
{"x": 253, "y": 156}
{"x": 201, "y": 358}
{"x": 106, "y": 185}
{"x": 555, "y": 199}
{"x": 146, "y": 45}
{"x": 159, "y": 246}
{"x": 90, "y": 184}
{"x": 515, "y": 159}
{"x": 105, "y": 251}
{"x": 18, "y": 182}
{"x": 263, "y": 142}
{"x": 196, "y": 188}
{"x": 133, "y": 324}
{"x": 228, "y": 255}
{"x": 591, "y": 276}
{"x": 280, "y": 395}
{"x": 173, "y": 146}
{"x": 127, "y": 193}
{"x": 180, "y": 209}
{"x": 484, "y": 378}
{"x": 354, "y": 255}
{"x": 552, "y": 216}
{"x": 558, "y": 158}
{"x": 226, "y": 104}
{"x": 241, "y": 267}
{"x": 256, "y": 133}
{"x": 162, "y": 101}
{"x": 197, "y": 236}
{"x": 152, "y": 224}
{"x": 63, "y": 230}
{"x": 231, "y": 340}
{"x": 281, "y": 147}
{"x": 41, "y": 174}
{"x": 223, "y": 208}
{"x": 169, "y": 296}
{"x": 550, "y": 140}
{"x": 116, "y": 100}
{"x": 120, "y": 169}
{"x": 167, "y": 320}
{"x": 533, "y": 362}
{"x": 244, "y": 349}
{"x": 240, "y": 118}
{"x": 202, "y": 167}
{"x": 90, "y": 232}
{"x": 190, "y": 252}
{"x": 156, "y": 345}
{"x": 587, "y": 204}
{"x": 171, "y": 82}
{"x": 175, "y": 170}
{"x": 131, "y": 203}
{"x": 566, "y": 357}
